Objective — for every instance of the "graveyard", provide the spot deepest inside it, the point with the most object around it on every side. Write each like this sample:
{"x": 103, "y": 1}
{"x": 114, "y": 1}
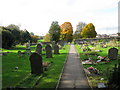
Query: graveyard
{"x": 99, "y": 71}
{"x": 20, "y": 70}
{"x": 17, "y": 73}
{"x": 57, "y": 45}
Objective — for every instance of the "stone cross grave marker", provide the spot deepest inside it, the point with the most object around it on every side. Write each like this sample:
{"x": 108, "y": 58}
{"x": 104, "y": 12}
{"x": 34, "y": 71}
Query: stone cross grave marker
{"x": 36, "y": 63}
{"x": 48, "y": 50}
{"x": 39, "y": 49}
{"x": 56, "y": 49}
{"x": 112, "y": 53}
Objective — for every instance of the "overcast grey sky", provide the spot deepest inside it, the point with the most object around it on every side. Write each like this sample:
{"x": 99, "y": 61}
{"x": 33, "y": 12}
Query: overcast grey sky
{"x": 37, "y": 15}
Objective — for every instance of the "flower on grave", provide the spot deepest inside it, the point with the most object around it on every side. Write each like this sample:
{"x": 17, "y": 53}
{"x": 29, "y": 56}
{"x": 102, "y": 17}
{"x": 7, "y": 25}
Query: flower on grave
{"x": 90, "y": 68}
{"x": 102, "y": 79}
{"x": 16, "y": 67}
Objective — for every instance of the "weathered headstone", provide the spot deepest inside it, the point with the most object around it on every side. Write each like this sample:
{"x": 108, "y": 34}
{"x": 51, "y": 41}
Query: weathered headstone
{"x": 28, "y": 48}
{"x": 36, "y": 63}
{"x": 39, "y": 49}
{"x": 112, "y": 53}
{"x": 53, "y": 44}
{"x": 48, "y": 50}
{"x": 56, "y": 49}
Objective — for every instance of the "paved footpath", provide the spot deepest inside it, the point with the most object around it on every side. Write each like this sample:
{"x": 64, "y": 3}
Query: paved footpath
{"x": 73, "y": 75}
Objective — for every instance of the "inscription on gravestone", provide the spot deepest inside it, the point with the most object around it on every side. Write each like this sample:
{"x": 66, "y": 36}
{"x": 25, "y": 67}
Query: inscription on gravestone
{"x": 48, "y": 50}
{"x": 36, "y": 63}
{"x": 39, "y": 49}
{"x": 112, "y": 53}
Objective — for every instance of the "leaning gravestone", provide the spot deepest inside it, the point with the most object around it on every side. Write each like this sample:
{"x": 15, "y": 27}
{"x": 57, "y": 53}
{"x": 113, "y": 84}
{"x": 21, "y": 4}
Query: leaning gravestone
{"x": 56, "y": 49}
{"x": 39, "y": 49}
{"x": 112, "y": 53}
{"x": 36, "y": 63}
{"x": 48, "y": 50}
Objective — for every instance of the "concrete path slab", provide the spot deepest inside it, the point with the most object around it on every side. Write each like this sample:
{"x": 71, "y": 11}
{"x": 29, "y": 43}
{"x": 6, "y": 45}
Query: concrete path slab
{"x": 73, "y": 75}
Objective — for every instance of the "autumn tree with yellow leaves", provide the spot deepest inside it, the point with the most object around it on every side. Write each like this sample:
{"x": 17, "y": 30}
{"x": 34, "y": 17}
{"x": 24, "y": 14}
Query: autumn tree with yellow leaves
{"x": 88, "y": 31}
{"x": 47, "y": 38}
{"x": 66, "y": 32}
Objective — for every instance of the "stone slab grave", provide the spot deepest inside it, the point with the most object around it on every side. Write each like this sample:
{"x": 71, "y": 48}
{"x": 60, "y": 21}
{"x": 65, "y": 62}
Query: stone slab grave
{"x": 56, "y": 49}
{"x": 101, "y": 85}
{"x": 39, "y": 49}
{"x": 112, "y": 53}
{"x": 48, "y": 50}
{"x": 36, "y": 63}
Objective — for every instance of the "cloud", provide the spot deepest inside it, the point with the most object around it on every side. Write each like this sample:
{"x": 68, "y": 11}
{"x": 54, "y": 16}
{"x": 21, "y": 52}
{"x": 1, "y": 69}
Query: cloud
{"x": 37, "y": 15}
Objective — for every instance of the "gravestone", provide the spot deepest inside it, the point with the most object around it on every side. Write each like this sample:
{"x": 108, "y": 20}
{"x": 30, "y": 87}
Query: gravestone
{"x": 61, "y": 43}
{"x": 56, "y": 49}
{"x": 53, "y": 44}
{"x": 28, "y": 45}
{"x": 112, "y": 53}
{"x": 36, "y": 63}
{"x": 48, "y": 50}
{"x": 28, "y": 48}
{"x": 39, "y": 49}
{"x": 19, "y": 53}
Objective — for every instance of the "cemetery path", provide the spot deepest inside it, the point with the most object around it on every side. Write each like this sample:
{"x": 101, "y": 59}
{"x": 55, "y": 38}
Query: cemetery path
{"x": 73, "y": 74}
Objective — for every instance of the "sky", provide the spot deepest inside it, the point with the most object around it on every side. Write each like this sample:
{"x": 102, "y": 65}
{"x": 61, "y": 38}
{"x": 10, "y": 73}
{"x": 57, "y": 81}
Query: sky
{"x": 37, "y": 15}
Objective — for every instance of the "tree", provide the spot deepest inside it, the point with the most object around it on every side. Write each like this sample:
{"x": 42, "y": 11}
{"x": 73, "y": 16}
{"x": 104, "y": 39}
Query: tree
{"x": 25, "y": 36}
{"x": 54, "y": 31}
{"x": 89, "y": 31}
{"x": 118, "y": 33}
{"x": 13, "y": 27}
{"x": 47, "y": 38}
{"x": 7, "y": 39}
{"x": 34, "y": 38}
{"x": 15, "y": 30}
{"x": 79, "y": 28}
{"x": 66, "y": 32}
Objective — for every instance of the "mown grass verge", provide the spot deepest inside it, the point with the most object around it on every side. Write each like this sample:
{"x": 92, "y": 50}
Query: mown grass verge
{"x": 12, "y": 77}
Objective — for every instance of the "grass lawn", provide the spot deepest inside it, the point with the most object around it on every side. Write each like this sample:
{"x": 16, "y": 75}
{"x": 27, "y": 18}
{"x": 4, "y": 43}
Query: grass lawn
{"x": 102, "y": 67}
{"x": 11, "y": 77}
{"x": 41, "y": 40}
